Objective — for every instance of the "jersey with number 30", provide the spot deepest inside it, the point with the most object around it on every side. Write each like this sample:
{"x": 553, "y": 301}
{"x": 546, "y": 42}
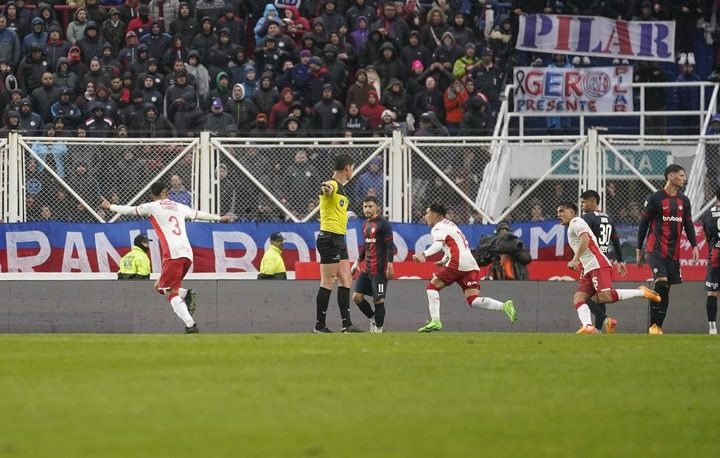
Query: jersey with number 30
{"x": 592, "y": 258}
{"x": 455, "y": 246}
{"x": 168, "y": 220}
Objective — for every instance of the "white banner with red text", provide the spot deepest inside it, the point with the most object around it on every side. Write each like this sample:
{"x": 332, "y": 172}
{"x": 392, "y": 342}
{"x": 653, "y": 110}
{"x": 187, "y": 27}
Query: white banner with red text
{"x": 573, "y": 90}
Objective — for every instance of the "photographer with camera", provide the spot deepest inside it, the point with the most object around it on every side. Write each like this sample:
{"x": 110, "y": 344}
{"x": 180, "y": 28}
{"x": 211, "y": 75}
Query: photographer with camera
{"x": 504, "y": 253}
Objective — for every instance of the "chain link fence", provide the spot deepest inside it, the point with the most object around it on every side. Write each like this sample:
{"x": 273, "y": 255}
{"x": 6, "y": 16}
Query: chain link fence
{"x": 65, "y": 177}
{"x": 279, "y": 182}
{"x": 449, "y": 174}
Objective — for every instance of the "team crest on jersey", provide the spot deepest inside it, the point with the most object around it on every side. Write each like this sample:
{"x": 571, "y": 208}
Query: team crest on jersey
{"x": 680, "y": 207}
{"x": 372, "y": 230}
{"x": 341, "y": 202}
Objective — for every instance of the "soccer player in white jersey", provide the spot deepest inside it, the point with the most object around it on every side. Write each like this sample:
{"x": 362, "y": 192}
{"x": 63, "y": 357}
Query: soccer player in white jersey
{"x": 457, "y": 266}
{"x": 595, "y": 269}
{"x": 168, "y": 220}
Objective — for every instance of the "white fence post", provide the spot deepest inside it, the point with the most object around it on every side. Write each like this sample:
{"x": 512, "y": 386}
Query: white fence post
{"x": 591, "y": 177}
{"x": 396, "y": 185}
{"x": 206, "y": 173}
{"x": 14, "y": 185}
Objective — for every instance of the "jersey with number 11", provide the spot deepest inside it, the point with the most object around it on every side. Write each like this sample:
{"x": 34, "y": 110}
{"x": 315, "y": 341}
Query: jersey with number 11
{"x": 168, "y": 220}
{"x": 455, "y": 246}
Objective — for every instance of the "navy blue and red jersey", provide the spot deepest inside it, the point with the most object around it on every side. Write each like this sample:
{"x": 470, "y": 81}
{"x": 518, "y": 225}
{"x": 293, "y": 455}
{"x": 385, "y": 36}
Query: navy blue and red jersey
{"x": 711, "y": 227}
{"x": 663, "y": 220}
{"x": 379, "y": 248}
{"x": 603, "y": 226}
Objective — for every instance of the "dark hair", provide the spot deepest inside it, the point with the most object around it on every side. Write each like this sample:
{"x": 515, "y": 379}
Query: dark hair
{"x": 342, "y": 161}
{"x": 717, "y": 192}
{"x": 591, "y": 194}
{"x": 673, "y": 168}
{"x": 437, "y": 208}
{"x": 569, "y": 205}
{"x": 157, "y": 188}
{"x": 371, "y": 199}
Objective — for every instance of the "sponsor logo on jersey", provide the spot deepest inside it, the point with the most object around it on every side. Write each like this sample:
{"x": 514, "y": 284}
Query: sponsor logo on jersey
{"x": 370, "y": 240}
{"x": 675, "y": 219}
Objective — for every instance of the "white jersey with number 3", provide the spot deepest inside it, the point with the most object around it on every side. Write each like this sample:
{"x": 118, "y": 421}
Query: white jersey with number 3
{"x": 168, "y": 220}
{"x": 455, "y": 246}
{"x": 592, "y": 258}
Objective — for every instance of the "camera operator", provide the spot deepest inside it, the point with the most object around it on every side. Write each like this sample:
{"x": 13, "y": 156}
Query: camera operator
{"x": 504, "y": 253}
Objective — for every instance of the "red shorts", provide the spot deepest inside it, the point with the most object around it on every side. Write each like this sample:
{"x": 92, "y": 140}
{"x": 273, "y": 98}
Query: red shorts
{"x": 596, "y": 280}
{"x": 173, "y": 272}
{"x": 466, "y": 280}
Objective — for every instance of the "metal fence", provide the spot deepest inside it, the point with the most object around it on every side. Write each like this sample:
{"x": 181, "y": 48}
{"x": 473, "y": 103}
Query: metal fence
{"x": 478, "y": 179}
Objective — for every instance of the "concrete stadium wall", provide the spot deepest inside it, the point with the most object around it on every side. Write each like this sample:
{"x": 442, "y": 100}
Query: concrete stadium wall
{"x": 250, "y": 306}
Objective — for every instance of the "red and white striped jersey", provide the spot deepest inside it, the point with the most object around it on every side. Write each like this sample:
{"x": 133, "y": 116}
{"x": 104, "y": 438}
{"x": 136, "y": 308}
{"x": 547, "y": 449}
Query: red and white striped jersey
{"x": 593, "y": 258}
{"x": 454, "y": 245}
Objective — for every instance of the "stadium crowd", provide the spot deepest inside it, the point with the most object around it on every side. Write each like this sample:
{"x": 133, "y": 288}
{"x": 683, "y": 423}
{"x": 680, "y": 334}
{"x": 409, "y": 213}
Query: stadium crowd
{"x": 292, "y": 68}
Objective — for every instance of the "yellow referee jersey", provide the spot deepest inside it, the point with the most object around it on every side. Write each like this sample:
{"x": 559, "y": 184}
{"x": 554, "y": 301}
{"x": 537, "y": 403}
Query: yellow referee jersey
{"x": 333, "y": 209}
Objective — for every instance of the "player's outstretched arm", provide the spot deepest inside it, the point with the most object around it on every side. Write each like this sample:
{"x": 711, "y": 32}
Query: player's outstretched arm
{"x": 326, "y": 188}
{"x": 122, "y": 209}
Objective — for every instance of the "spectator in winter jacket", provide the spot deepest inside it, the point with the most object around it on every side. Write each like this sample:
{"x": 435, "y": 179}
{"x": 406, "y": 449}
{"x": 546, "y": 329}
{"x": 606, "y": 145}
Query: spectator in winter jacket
{"x": 358, "y": 91}
{"x": 235, "y": 25}
{"x": 199, "y": 72}
{"x": 64, "y": 78}
{"x": 297, "y": 25}
{"x": 391, "y": 26}
{"x": 38, "y": 35}
{"x": 204, "y": 41}
{"x": 280, "y": 110}
{"x": 243, "y": 110}
{"x": 372, "y": 111}
{"x": 430, "y": 126}
{"x": 55, "y": 48}
{"x": 31, "y": 123}
{"x": 156, "y": 41}
{"x": 9, "y": 44}
{"x": 432, "y": 32}
{"x": 448, "y": 52}
{"x": 269, "y": 15}
{"x": 91, "y": 43}
{"x": 454, "y": 100}
{"x": 394, "y": 99}
{"x": 267, "y": 94}
{"x": 128, "y": 54}
{"x": 185, "y": 23}
{"x": 328, "y": 113}
{"x": 66, "y": 110}
{"x": 43, "y": 97}
{"x": 360, "y": 35}
{"x": 31, "y": 69}
{"x": 154, "y": 125}
{"x": 141, "y": 24}
{"x": 353, "y": 123}
{"x": 76, "y": 29}
{"x": 217, "y": 121}
{"x": 476, "y": 119}
{"x": 430, "y": 98}
{"x": 389, "y": 66}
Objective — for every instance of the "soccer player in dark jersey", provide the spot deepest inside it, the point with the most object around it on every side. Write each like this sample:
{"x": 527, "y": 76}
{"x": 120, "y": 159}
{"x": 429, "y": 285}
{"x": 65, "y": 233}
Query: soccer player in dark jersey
{"x": 332, "y": 247}
{"x": 603, "y": 226}
{"x": 378, "y": 256}
{"x": 711, "y": 227}
{"x": 665, "y": 214}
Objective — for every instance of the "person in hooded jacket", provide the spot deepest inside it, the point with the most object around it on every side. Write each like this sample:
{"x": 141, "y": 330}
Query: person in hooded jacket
{"x": 179, "y": 88}
{"x": 76, "y": 28}
{"x": 430, "y": 126}
{"x": 358, "y": 92}
{"x": 31, "y": 123}
{"x": 157, "y": 41}
{"x": 96, "y": 74}
{"x": 128, "y": 54}
{"x": 96, "y": 124}
{"x": 110, "y": 65}
{"x": 139, "y": 65}
{"x": 55, "y": 47}
{"x": 64, "y": 78}
{"x": 372, "y": 110}
{"x": 476, "y": 119}
{"x": 185, "y": 23}
{"x": 221, "y": 90}
{"x": 280, "y": 110}
{"x": 243, "y": 110}
{"x": 234, "y": 25}
{"x": 64, "y": 109}
{"x": 448, "y": 52}
{"x": 267, "y": 94}
{"x": 435, "y": 27}
{"x": 141, "y": 24}
{"x": 269, "y": 15}
{"x": 297, "y": 25}
{"x": 371, "y": 50}
{"x": 203, "y": 42}
{"x": 177, "y": 50}
{"x": 394, "y": 98}
{"x": 389, "y": 66}
{"x": 185, "y": 115}
{"x": 37, "y": 34}
{"x": 43, "y": 97}
{"x": 328, "y": 113}
{"x": 91, "y": 43}
{"x": 199, "y": 72}
{"x": 155, "y": 125}
{"x": 336, "y": 68}
{"x": 151, "y": 94}
{"x": 45, "y": 12}
{"x": 31, "y": 68}
{"x": 113, "y": 31}
{"x": 358, "y": 9}
{"x": 10, "y": 46}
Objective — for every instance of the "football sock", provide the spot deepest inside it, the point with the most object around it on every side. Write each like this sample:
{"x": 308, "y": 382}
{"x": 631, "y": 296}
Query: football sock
{"x": 664, "y": 290}
{"x": 583, "y": 312}
{"x": 628, "y": 293}
{"x": 711, "y": 306}
{"x": 365, "y": 307}
{"x": 343, "y": 298}
{"x": 598, "y": 310}
{"x": 379, "y": 314}
{"x": 487, "y": 303}
{"x": 322, "y": 302}
{"x": 433, "y": 303}
{"x": 182, "y": 292}
{"x": 181, "y": 310}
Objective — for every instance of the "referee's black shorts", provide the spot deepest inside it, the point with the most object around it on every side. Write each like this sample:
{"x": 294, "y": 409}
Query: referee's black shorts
{"x": 332, "y": 247}
{"x": 374, "y": 285}
{"x": 665, "y": 267}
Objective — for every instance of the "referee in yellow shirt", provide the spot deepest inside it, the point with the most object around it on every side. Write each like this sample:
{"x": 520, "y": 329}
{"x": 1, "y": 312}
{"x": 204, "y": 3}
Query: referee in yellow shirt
{"x": 331, "y": 245}
{"x": 272, "y": 266}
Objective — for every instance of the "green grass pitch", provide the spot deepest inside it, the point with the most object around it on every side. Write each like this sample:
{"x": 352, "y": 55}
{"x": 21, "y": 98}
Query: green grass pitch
{"x": 362, "y": 395}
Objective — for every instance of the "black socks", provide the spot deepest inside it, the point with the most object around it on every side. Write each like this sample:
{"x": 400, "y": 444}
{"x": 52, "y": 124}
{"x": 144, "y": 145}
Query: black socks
{"x": 660, "y": 309}
{"x": 365, "y": 307}
{"x": 322, "y": 301}
{"x": 343, "y": 299}
{"x": 711, "y": 306}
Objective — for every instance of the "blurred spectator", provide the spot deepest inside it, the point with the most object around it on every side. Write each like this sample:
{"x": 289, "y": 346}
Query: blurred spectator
{"x": 113, "y": 30}
{"x": 76, "y": 28}
{"x": 353, "y": 123}
{"x": 430, "y": 126}
{"x": 687, "y": 98}
{"x": 177, "y": 191}
{"x": 372, "y": 111}
{"x": 185, "y": 24}
{"x": 30, "y": 123}
{"x": 52, "y": 153}
{"x": 45, "y": 96}
{"x": 651, "y": 72}
{"x": 328, "y": 113}
{"x": 370, "y": 181}
{"x": 31, "y": 68}
{"x": 504, "y": 253}
{"x": 454, "y": 100}
{"x": 217, "y": 121}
